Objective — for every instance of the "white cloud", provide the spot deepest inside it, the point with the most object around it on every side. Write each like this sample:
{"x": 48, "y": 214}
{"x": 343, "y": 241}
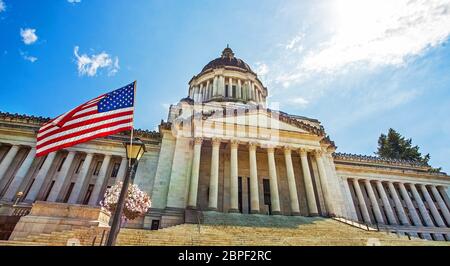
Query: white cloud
{"x": 298, "y": 101}
{"x": 381, "y": 33}
{"x": 27, "y": 57}
{"x": 74, "y": 1}
{"x": 2, "y": 6}
{"x": 362, "y": 33}
{"x": 294, "y": 44}
{"x": 28, "y": 36}
{"x": 88, "y": 65}
{"x": 262, "y": 69}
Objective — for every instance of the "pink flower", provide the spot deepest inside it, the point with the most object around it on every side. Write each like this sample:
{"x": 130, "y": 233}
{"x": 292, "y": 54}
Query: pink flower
{"x": 136, "y": 203}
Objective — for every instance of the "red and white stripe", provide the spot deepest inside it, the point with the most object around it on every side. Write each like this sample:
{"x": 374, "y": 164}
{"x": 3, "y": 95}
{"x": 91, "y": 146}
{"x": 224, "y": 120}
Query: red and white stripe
{"x": 82, "y": 124}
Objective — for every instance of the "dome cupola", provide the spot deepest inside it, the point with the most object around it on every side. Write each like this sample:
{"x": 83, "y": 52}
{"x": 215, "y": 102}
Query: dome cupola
{"x": 227, "y": 79}
{"x": 228, "y": 60}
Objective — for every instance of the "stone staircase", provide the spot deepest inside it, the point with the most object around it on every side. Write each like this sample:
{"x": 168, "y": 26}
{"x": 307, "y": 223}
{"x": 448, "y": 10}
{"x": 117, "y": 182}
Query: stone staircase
{"x": 235, "y": 230}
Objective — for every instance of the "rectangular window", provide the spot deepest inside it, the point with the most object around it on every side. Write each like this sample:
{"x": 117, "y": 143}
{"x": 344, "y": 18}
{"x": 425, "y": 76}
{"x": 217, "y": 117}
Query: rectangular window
{"x": 61, "y": 163}
{"x": 69, "y": 191}
{"x": 88, "y": 194}
{"x": 97, "y": 168}
{"x": 226, "y": 90}
{"x": 115, "y": 170}
{"x": 234, "y": 91}
{"x": 79, "y": 166}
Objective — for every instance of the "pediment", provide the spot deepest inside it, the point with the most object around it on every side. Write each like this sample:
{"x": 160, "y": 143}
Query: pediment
{"x": 264, "y": 119}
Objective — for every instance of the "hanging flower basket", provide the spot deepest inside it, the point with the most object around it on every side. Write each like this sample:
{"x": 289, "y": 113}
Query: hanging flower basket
{"x": 137, "y": 202}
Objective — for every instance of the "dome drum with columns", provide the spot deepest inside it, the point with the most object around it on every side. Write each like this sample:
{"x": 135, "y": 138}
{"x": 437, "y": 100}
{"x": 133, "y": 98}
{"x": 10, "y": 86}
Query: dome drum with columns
{"x": 228, "y": 79}
{"x": 222, "y": 150}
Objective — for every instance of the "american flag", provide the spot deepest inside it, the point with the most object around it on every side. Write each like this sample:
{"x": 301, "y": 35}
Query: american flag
{"x": 105, "y": 115}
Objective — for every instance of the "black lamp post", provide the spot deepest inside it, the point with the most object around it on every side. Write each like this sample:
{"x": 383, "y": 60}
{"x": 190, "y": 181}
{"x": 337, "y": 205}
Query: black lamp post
{"x": 134, "y": 149}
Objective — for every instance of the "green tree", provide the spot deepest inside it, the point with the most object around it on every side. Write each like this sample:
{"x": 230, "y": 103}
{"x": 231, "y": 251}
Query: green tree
{"x": 395, "y": 146}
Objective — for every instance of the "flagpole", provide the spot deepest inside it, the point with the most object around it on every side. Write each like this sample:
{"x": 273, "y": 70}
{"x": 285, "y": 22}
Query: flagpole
{"x": 132, "y": 123}
{"x": 131, "y": 171}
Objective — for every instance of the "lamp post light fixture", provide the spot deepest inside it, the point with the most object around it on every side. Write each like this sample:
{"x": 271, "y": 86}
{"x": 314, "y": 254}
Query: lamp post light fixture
{"x": 134, "y": 151}
{"x": 18, "y": 197}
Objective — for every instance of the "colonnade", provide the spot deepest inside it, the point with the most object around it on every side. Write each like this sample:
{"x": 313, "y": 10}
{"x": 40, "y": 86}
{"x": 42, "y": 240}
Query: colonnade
{"x": 253, "y": 169}
{"x": 401, "y": 203}
{"x": 228, "y": 87}
{"x": 54, "y": 172}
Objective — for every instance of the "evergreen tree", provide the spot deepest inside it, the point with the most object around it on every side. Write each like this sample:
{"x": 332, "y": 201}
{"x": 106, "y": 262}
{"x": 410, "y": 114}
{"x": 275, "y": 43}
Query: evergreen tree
{"x": 395, "y": 146}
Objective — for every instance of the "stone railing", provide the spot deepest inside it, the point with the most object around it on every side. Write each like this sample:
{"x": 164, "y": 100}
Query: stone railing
{"x": 375, "y": 159}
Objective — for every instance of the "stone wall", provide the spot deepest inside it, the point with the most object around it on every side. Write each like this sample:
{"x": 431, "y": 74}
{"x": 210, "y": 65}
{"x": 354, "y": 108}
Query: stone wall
{"x": 47, "y": 217}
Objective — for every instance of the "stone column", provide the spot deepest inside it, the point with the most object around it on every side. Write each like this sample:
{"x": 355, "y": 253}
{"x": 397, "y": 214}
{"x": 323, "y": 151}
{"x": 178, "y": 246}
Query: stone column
{"x": 398, "y": 205}
{"x": 437, "y": 217}
{"x": 444, "y": 195}
{"x": 254, "y": 192}
{"x": 412, "y": 210}
{"x": 214, "y": 178}
{"x": 387, "y": 205}
{"x": 426, "y": 217}
{"x": 230, "y": 87}
{"x": 374, "y": 202}
{"x": 20, "y": 176}
{"x": 310, "y": 197}
{"x": 234, "y": 201}
{"x": 94, "y": 200}
{"x": 193, "y": 186}
{"x": 324, "y": 183}
{"x": 200, "y": 93}
{"x": 239, "y": 89}
{"x": 421, "y": 205}
{"x": 274, "y": 195}
{"x": 82, "y": 174}
{"x": 222, "y": 86}
{"x": 122, "y": 170}
{"x": 61, "y": 178}
{"x": 245, "y": 89}
{"x": 361, "y": 201}
{"x": 40, "y": 178}
{"x": 197, "y": 94}
{"x": 6, "y": 162}
{"x": 295, "y": 209}
{"x": 441, "y": 204}
{"x": 207, "y": 94}
{"x": 215, "y": 85}
{"x": 194, "y": 93}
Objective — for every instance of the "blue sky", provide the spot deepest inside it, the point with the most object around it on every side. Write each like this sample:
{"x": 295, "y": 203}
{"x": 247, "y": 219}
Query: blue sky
{"x": 358, "y": 66}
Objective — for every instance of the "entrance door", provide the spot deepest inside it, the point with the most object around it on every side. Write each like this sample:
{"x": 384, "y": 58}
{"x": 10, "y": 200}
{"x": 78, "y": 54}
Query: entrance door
{"x": 249, "y": 199}
{"x": 266, "y": 188}
{"x": 155, "y": 225}
{"x": 240, "y": 194}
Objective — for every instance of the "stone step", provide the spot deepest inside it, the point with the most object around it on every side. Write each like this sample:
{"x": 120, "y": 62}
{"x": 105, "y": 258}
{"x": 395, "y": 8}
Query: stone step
{"x": 307, "y": 231}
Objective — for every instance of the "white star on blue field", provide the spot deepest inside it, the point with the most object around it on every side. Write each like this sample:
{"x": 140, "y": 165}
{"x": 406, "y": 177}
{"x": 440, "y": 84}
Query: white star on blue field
{"x": 359, "y": 66}
{"x": 117, "y": 99}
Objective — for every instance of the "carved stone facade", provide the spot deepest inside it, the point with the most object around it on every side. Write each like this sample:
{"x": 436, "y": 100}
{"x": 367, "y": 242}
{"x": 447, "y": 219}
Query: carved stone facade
{"x": 221, "y": 149}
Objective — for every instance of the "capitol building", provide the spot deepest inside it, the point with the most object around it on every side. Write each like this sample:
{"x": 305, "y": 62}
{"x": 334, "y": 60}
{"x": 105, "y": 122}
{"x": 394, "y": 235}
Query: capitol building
{"x": 222, "y": 150}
